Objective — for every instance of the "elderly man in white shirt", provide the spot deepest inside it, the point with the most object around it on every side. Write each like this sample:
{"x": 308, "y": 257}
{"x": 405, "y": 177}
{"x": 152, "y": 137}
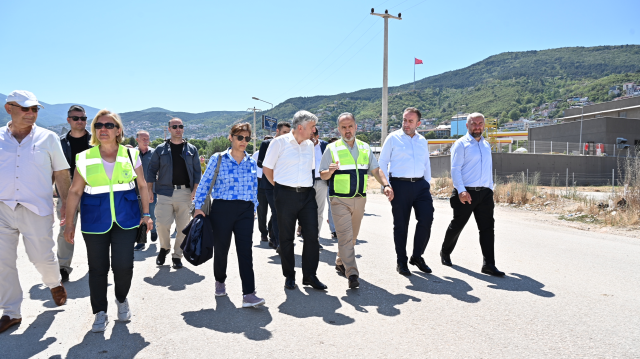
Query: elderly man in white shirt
{"x": 471, "y": 169}
{"x": 288, "y": 165}
{"x": 30, "y": 156}
{"x": 404, "y": 160}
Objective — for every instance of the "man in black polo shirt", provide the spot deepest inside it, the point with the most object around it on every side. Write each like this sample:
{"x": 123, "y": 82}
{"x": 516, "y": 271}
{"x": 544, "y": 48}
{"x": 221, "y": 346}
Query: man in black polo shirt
{"x": 73, "y": 142}
{"x": 175, "y": 169}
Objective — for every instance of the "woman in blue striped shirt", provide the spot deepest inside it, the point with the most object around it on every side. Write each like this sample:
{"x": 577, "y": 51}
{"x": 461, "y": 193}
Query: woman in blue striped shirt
{"x": 234, "y": 202}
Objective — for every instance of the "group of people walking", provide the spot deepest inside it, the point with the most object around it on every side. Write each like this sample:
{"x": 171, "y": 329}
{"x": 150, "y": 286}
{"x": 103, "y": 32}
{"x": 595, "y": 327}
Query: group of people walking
{"x": 116, "y": 189}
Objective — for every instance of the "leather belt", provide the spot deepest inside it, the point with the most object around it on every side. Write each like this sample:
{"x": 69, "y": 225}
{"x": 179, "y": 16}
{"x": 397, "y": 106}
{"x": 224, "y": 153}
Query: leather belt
{"x": 476, "y": 188}
{"x": 294, "y": 189}
{"x": 407, "y": 179}
{"x": 180, "y": 186}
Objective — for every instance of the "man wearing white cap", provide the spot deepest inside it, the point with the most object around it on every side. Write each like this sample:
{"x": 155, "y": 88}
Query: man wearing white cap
{"x": 29, "y": 157}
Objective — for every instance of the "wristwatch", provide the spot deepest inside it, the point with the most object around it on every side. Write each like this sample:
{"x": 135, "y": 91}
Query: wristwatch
{"x": 146, "y": 215}
{"x": 385, "y": 186}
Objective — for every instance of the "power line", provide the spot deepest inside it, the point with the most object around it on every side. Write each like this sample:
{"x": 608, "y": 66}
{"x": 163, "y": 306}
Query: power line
{"x": 420, "y": 3}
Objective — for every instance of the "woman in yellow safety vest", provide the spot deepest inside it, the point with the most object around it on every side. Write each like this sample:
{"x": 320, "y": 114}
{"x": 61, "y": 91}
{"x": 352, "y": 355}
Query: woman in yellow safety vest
{"x": 104, "y": 185}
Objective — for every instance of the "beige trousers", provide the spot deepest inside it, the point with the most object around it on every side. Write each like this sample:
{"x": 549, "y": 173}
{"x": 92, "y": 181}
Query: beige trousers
{"x": 169, "y": 209}
{"x": 347, "y": 216}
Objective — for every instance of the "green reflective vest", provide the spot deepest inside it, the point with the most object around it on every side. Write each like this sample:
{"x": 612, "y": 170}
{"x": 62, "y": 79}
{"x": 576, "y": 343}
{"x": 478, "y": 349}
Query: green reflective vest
{"x": 105, "y": 200}
{"x": 351, "y": 179}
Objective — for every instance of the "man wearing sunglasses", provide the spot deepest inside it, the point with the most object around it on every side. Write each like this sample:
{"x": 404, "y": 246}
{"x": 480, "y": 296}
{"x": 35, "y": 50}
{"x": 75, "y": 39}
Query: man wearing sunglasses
{"x": 30, "y": 157}
{"x": 73, "y": 142}
{"x": 174, "y": 172}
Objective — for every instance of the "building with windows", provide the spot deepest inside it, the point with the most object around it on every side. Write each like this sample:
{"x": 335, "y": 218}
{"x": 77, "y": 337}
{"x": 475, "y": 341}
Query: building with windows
{"x": 626, "y": 108}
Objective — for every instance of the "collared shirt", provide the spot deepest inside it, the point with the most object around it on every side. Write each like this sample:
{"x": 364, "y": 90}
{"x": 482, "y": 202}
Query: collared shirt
{"x": 405, "y": 156}
{"x": 292, "y": 163}
{"x": 355, "y": 153}
{"x": 471, "y": 164}
{"x": 255, "y": 158}
{"x": 235, "y": 181}
{"x": 27, "y": 168}
{"x": 318, "y": 158}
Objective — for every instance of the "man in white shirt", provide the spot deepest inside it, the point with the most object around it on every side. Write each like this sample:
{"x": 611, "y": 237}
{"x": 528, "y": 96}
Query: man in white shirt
{"x": 288, "y": 165}
{"x": 30, "y": 156}
{"x": 471, "y": 168}
{"x": 404, "y": 159}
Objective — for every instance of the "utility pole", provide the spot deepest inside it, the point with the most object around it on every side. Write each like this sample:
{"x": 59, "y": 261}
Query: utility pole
{"x": 254, "y": 126}
{"x": 385, "y": 68}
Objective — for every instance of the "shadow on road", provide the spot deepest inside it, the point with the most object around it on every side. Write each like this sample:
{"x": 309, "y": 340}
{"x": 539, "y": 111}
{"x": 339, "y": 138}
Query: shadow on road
{"x": 369, "y": 295}
{"x": 431, "y": 284}
{"x": 227, "y": 318}
{"x": 76, "y": 289}
{"x": 121, "y": 344}
{"x": 174, "y": 280}
{"x": 315, "y": 303}
{"x": 141, "y": 256}
{"x": 32, "y": 341}
{"x": 515, "y": 283}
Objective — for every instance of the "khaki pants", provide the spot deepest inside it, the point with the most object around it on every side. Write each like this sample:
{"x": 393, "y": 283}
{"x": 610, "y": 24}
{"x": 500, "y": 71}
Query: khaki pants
{"x": 168, "y": 209}
{"x": 37, "y": 233}
{"x": 347, "y": 216}
{"x": 65, "y": 249}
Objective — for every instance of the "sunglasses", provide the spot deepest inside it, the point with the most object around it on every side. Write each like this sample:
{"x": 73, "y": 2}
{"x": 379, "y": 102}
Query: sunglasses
{"x": 244, "y": 138}
{"x": 108, "y": 126}
{"x": 35, "y": 109}
{"x": 177, "y": 126}
{"x": 78, "y": 118}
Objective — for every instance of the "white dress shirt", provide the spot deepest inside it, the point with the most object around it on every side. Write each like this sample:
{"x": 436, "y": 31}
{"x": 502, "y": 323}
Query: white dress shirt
{"x": 318, "y": 158}
{"x": 27, "y": 169}
{"x": 255, "y": 158}
{"x": 292, "y": 163}
{"x": 405, "y": 156}
{"x": 471, "y": 164}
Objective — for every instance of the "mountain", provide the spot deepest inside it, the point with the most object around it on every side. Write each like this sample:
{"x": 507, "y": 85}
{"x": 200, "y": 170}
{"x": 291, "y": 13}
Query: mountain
{"x": 155, "y": 109}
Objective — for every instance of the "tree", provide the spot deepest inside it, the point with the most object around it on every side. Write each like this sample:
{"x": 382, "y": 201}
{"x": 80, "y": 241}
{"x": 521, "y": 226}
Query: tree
{"x": 156, "y": 142}
{"x": 514, "y": 115}
{"x": 217, "y": 144}
{"x": 363, "y": 137}
{"x": 430, "y": 135}
{"x": 200, "y": 144}
{"x": 130, "y": 141}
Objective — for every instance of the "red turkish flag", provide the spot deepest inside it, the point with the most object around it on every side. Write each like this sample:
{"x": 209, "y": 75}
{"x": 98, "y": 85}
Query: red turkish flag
{"x": 418, "y": 61}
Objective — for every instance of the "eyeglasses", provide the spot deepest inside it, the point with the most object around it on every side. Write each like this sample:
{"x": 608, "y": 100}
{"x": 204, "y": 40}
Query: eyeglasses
{"x": 34, "y": 109}
{"x": 244, "y": 138}
{"x": 108, "y": 125}
{"x": 177, "y": 126}
{"x": 78, "y": 118}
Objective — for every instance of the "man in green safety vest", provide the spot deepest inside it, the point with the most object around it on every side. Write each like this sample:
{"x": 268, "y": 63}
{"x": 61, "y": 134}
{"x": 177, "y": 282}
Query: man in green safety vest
{"x": 346, "y": 164}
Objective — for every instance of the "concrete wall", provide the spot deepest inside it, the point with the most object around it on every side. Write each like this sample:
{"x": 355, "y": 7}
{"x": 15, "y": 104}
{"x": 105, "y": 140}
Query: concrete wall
{"x": 587, "y": 170}
{"x": 611, "y": 106}
{"x": 598, "y": 130}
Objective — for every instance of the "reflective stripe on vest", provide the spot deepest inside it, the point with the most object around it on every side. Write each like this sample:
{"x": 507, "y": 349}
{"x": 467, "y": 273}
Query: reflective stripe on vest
{"x": 351, "y": 179}
{"x": 105, "y": 200}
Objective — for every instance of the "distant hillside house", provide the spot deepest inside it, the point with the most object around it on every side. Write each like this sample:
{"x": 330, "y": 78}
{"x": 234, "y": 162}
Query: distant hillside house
{"x": 443, "y": 131}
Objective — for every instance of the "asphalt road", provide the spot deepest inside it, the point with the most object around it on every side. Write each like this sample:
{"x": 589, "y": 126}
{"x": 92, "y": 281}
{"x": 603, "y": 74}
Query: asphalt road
{"x": 568, "y": 293}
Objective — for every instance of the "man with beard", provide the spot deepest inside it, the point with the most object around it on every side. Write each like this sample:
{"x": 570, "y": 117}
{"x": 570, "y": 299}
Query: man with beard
{"x": 471, "y": 170}
{"x": 404, "y": 159}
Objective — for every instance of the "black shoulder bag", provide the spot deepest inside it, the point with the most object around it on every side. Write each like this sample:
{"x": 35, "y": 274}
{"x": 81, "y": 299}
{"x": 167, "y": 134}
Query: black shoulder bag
{"x": 141, "y": 236}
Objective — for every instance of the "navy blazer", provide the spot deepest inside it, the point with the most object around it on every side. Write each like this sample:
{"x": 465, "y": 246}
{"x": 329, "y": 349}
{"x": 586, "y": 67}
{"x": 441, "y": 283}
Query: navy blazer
{"x": 264, "y": 146}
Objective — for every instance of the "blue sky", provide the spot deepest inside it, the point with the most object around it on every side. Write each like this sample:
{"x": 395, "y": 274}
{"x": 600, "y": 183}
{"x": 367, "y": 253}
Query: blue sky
{"x": 198, "y": 56}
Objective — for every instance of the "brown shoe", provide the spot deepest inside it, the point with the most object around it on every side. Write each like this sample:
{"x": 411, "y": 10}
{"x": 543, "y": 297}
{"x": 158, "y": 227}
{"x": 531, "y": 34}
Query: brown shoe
{"x": 6, "y": 322}
{"x": 59, "y": 295}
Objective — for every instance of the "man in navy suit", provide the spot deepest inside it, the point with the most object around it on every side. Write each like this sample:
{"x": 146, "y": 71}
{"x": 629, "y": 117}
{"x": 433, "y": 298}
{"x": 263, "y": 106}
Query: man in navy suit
{"x": 319, "y": 184}
{"x": 274, "y": 242}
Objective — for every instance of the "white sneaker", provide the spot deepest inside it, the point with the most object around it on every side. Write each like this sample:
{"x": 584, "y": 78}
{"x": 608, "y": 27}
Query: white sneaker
{"x": 100, "y": 323}
{"x": 124, "y": 312}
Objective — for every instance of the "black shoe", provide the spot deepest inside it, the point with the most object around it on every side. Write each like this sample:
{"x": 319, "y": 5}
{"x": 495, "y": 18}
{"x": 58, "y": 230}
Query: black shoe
{"x": 353, "y": 281}
{"x": 264, "y": 238}
{"x": 154, "y": 236}
{"x": 334, "y": 235}
{"x": 139, "y": 247}
{"x": 278, "y": 249}
{"x": 492, "y": 270}
{"x": 403, "y": 269}
{"x": 290, "y": 283}
{"x": 64, "y": 274}
{"x": 177, "y": 263}
{"x": 161, "y": 256}
{"x": 419, "y": 262}
{"x": 314, "y": 282}
{"x": 340, "y": 269}
{"x": 445, "y": 259}
{"x": 271, "y": 244}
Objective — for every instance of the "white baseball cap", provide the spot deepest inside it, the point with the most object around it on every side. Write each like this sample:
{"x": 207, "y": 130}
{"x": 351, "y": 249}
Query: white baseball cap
{"x": 24, "y": 98}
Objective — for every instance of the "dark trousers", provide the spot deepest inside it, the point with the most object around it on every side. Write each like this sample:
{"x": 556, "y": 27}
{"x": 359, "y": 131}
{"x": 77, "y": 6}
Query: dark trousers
{"x": 121, "y": 242}
{"x": 482, "y": 208}
{"x": 409, "y": 195}
{"x": 263, "y": 206}
{"x": 301, "y": 207}
{"x": 275, "y": 229}
{"x": 227, "y": 218}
